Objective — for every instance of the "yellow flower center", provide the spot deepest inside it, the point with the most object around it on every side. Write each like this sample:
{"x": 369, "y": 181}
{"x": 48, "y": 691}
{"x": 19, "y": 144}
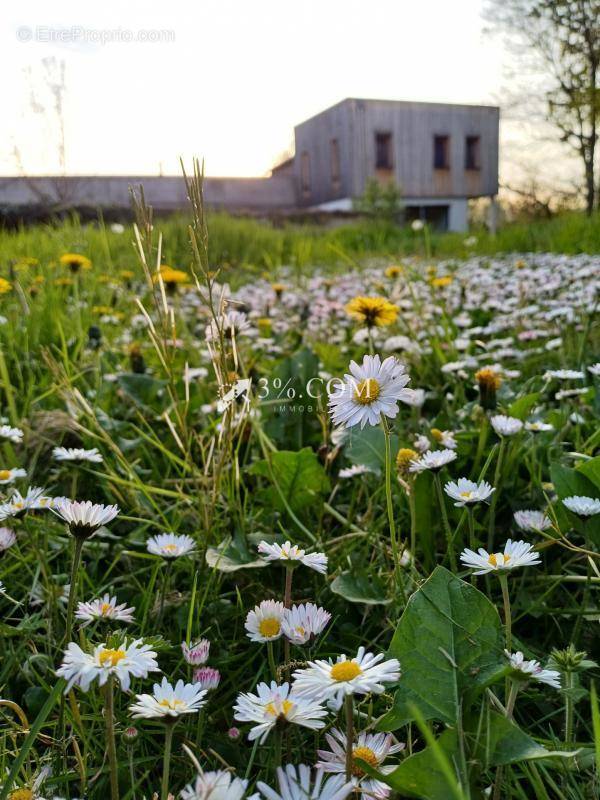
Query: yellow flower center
{"x": 437, "y": 434}
{"x": 172, "y": 704}
{"x": 269, "y": 627}
{"x": 300, "y": 630}
{"x": 110, "y": 658}
{"x": 466, "y": 495}
{"x": 367, "y": 391}
{"x": 170, "y": 548}
{"x": 365, "y": 754}
{"x": 105, "y": 609}
{"x": 498, "y": 557}
{"x": 21, "y": 794}
{"x": 284, "y": 708}
{"x": 345, "y": 671}
{"x": 4, "y": 474}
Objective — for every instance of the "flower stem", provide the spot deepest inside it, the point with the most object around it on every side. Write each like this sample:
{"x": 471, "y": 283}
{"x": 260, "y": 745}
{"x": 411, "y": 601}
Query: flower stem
{"x": 442, "y": 503}
{"x": 109, "y": 713}
{"x": 163, "y": 591}
{"x": 507, "y": 615}
{"x": 287, "y": 602}
{"x": 77, "y": 550}
{"x": 568, "y": 686}
{"x": 169, "y": 729}
{"x": 349, "y": 734}
{"x": 390, "y": 505}
{"x": 512, "y": 699}
{"x": 272, "y": 664}
{"x": 497, "y": 482}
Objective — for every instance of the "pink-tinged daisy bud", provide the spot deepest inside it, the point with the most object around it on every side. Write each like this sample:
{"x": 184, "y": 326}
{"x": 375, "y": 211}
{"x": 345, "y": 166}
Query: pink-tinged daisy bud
{"x": 130, "y": 734}
{"x": 234, "y": 734}
{"x": 196, "y": 654}
{"x": 207, "y": 677}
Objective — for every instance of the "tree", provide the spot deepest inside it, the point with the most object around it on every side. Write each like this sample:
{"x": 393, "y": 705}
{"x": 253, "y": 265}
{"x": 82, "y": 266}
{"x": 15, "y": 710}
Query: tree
{"x": 382, "y": 201}
{"x": 561, "y": 40}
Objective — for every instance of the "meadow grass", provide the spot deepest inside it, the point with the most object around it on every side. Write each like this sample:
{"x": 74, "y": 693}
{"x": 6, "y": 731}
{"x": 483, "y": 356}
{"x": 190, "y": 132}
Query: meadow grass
{"x": 203, "y": 413}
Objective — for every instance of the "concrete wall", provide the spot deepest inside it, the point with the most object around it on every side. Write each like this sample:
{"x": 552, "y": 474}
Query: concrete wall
{"x": 162, "y": 192}
{"x": 413, "y": 127}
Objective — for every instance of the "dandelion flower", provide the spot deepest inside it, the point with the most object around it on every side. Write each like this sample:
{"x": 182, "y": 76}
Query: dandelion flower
{"x": 123, "y": 662}
{"x": 290, "y": 553}
{"x": 75, "y": 261}
{"x": 372, "y": 311}
{"x": 169, "y": 701}
{"x": 516, "y": 554}
{"x": 370, "y": 389}
{"x": 273, "y": 705}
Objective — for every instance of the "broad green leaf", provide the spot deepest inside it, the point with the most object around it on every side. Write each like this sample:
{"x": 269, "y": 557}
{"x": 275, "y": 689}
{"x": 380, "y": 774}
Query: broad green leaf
{"x": 420, "y": 776}
{"x": 300, "y": 479}
{"x": 229, "y": 556}
{"x": 142, "y": 389}
{"x": 367, "y": 446}
{"x": 358, "y": 587}
{"x": 424, "y": 511}
{"x": 591, "y": 470}
{"x": 448, "y": 642}
{"x": 522, "y": 407}
{"x": 568, "y": 482}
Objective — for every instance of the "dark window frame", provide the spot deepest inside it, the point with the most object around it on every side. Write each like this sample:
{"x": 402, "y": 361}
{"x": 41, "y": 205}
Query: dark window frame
{"x": 384, "y": 150}
{"x": 441, "y": 151}
{"x": 473, "y": 152}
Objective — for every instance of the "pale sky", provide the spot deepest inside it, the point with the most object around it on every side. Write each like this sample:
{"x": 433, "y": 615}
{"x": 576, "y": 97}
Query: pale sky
{"x": 230, "y": 79}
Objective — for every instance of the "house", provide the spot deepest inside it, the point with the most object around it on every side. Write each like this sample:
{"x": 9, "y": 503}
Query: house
{"x": 441, "y": 155}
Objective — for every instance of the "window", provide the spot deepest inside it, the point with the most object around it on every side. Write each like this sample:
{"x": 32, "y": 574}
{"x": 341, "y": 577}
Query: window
{"x": 334, "y": 153}
{"x": 305, "y": 174}
{"x": 472, "y": 157}
{"x": 383, "y": 150}
{"x": 441, "y": 152}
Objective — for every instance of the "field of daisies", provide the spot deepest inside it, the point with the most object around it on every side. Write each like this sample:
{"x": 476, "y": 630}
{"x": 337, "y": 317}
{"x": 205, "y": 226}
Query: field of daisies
{"x": 307, "y": 535}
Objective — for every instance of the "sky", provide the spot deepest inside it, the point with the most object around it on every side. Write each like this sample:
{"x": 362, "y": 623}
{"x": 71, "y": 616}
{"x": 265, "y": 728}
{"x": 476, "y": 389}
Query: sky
{"x": 225, "y": 80}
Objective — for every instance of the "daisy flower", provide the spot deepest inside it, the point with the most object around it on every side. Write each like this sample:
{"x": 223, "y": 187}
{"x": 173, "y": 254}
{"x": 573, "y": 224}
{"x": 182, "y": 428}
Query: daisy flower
{"x": 444, "y": 438}
{"x": 104, "y": 608}
{"x": 170, "y": 545}
{"x": 467, "y": 493}
{"x": 370, "y": 389}
{"x": 197, "y": 653}
{"x": 7, "y": 539}
{"x": 594, "y": 369}
{"x": 531, "y": 520}
{"x": 564, "y": 375}
{"x": 124, "y": 662}
{"x": 77, "y": 454}
{"x": 18, "y": 505}
{"x": 289, "y": 553}
{"x": 296, "y": 783}
{"x": 220, "y": 785}
{"x": 84, "y": 517}
{"x": 360, "y": 675}
{"x": 14, "y": 435}
{"x": 516, "y": 554}
{"x": 536, "y": 426}
{"x": 169, "y": 701}
{"x": 207, "y": 678}
{"x": 373, "y": 748}
{"x": 533, "y": 670}
{"x": 505, "y": 426}
{"x": 353, "y": 471}
{"x": 264, "y": 624}
{"x": 273, "y": 705}
{"x": 582, "y": 506}
{"x": 433, "y": 460}
{"x": 11, "y": 475}
{"x": 302, "y": 622}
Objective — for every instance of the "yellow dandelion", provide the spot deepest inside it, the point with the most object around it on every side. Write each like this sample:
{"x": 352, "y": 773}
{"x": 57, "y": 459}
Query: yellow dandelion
{"x": 171, "y": 277}
{"x": 372, "y": 311}
{"x": 75, "y": 261}
{"x": 442, "y": 282}
{"x": 403, "y": 459}
{"x": 394, "y": 271}
{"x": 63, "y": 281}
{"x": 5, "y": 286}
{"x": 278, "y": 288}
{"x": 488, "y": 382}
{"x": 126, "y": 274}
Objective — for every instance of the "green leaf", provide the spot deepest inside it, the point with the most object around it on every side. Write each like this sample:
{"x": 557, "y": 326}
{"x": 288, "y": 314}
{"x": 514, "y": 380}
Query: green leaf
{"x": 448, "y": 642}
{"x": 568, "y": 482}
{"x": 591, "y": 470}
{"x": 229, "y": 556}
{"x": 300, "y": 479}
{"x": 367, "y": 446}
{"x": 503, "y": 742}
{"x": 142, "y": 389}
{"x": 521, "y": 408}
{"x": 357, "y": 587}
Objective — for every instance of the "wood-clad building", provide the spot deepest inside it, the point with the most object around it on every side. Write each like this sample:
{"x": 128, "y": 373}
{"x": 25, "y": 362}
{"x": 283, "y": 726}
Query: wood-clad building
{"x": 439, "y": 154}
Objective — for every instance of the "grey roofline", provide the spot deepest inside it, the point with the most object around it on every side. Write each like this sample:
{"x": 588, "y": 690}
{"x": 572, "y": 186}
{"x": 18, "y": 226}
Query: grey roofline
{"x": 397, "y": 102}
